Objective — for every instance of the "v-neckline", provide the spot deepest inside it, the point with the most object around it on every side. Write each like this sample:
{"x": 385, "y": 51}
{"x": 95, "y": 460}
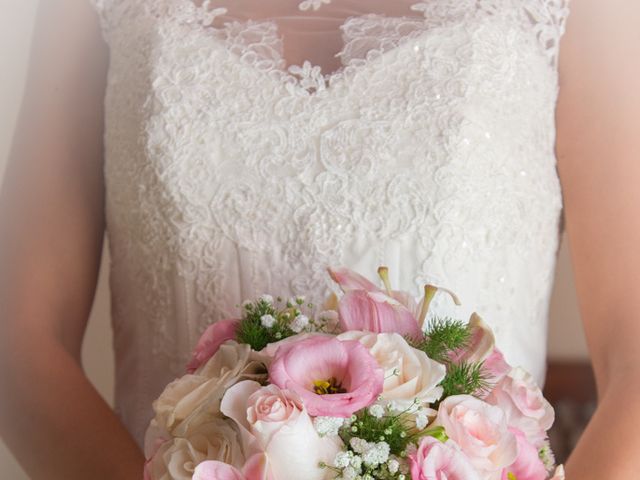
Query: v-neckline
{"x": 286, "y": 77}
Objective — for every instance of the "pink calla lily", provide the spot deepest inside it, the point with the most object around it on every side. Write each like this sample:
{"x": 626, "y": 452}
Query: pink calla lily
{"x": 376, "y": 312}
{"x": 481, "y": 344}
{"x": 366, "y": 307}
{"x": 350, "y": 280}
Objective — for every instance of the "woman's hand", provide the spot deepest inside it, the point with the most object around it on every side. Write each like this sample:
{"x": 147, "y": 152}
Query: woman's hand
{"x": 599, "y": 165}
{"x": 51, "y": 236}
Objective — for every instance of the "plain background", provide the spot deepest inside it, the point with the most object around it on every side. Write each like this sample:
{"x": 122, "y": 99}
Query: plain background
{"x": 566, "y": 339}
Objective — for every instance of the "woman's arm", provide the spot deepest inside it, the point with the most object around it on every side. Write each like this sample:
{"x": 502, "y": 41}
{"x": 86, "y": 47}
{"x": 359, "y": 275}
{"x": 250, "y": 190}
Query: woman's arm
{"x": 599, "y": 164}
{"x": 51, "y": 235}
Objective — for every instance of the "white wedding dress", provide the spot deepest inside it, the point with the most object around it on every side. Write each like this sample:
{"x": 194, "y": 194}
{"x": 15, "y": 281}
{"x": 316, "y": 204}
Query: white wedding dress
{"x": 243, "y": 156}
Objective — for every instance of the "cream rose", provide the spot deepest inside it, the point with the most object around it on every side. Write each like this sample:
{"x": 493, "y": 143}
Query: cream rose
{"x": 409, "y": 373}
{"x": 480, "y": 430}
{"x": 275, "y": 422}
{"x": 177, "y": 458}
{"x": 518, "y": 395}
{"x": 194, "y": 399}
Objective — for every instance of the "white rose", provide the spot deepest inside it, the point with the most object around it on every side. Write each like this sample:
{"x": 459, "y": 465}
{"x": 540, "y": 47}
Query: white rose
{"x": 559, "y": 473}
{"x": 194, "y": 399}
{"x": 409, "y": 373}
{"x": 177, "y": 458}
{"x": 275, "y": 422}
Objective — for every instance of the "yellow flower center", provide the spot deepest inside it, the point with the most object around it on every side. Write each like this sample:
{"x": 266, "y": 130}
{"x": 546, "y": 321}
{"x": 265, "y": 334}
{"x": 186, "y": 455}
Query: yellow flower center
{"x": 511, "y": 476}
{"x": 327, "y": 387}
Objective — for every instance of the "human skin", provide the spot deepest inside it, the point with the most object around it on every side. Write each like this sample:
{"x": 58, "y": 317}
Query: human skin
{"x": 51, "y": 237}
{"x": 598, "y": 149}
{"x": 52, "y": 226}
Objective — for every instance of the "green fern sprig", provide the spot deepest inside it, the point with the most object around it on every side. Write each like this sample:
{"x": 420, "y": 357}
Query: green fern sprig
{"x": 443, "y": 336}
{"x": 465, "y": 378}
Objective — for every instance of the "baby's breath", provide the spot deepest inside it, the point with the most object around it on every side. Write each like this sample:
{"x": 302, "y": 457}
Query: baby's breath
{"x": 266, "y": 320}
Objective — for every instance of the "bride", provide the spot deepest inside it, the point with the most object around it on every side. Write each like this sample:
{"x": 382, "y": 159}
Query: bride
{"x": 243, "y": 146}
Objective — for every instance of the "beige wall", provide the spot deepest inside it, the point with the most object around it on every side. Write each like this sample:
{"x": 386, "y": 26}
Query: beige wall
{"x": 566, "y": 338}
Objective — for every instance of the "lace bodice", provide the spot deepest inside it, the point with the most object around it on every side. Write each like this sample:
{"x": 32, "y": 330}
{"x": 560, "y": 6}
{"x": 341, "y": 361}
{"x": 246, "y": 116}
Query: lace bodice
{"x": 233, "y": 170}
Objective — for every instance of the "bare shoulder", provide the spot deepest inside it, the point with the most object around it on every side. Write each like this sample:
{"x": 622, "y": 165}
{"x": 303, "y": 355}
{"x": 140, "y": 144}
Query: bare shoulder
{"x": 598, "y": 151}
{"x": 51, "y": 200}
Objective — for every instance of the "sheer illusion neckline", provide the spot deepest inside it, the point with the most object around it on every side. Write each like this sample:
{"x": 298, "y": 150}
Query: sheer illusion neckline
{"x": 307, "y": 79}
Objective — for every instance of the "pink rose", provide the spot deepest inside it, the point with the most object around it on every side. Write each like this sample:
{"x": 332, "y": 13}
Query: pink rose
{"x": 214, "y": 470}
{"x": 481, "y": 432}
{"x": 208, "y": 344}
{"x": 528, "y": 465}
{"x": 256, "y": 468}
{"x": 521, "y": 399}
{"x": 496, "y": 366}
{"x": 435, "y": 460}
{"x": 275, "y": 422}
{"x": 366, "y": 307}
{"x": 333, "y": 377}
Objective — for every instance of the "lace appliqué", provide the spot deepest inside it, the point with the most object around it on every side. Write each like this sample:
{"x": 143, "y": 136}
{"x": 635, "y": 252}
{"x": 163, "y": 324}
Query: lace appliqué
{"x": 431, "y": 151}
{"x": 314, "y": 4}
{"x": 310, "y": 77}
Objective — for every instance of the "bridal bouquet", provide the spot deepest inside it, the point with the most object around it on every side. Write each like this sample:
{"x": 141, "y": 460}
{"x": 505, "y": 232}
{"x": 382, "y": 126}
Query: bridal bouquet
{"x": 365, "y": 389}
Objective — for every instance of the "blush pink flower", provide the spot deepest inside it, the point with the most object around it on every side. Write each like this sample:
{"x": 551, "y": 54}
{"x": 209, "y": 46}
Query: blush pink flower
{"x": 527, "y": 465}
{"x": 350, "y": 280}
{"x": 214, "y": 470}
{"x": 208, "y": 344}
{"x": 482, "y": 348}
{"x": 496, "y": 366}
{"x": 271, "y": 348}
{"x": 434, "y": 460}
{"x": 518, "y": 395}
{"x": 256, "y": 468}
{"x": 275, "y": 422}
{"x": 333, "y": 377}
{"x": 376, "y": 312}
{"x": 366, "y": 307}
{"x": 480, "y": 430}
{"x": 481, "y": 343}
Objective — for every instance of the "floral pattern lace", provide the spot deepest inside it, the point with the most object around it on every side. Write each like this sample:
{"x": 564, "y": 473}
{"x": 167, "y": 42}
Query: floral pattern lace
{"x": 229, "y": 174}
{"x": 315, "y": 4}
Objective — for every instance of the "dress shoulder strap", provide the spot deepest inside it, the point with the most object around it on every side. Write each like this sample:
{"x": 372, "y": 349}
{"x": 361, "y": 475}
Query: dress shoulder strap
{"x": 115, "y": 13}
{"x": 549, "y": 18}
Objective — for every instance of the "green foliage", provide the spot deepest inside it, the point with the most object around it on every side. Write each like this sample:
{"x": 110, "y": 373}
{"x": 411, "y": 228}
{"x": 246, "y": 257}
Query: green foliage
{"x": 397, "y": 430}
{"x": 438, "y": 433}
{"x": 251, "y": 330}
{"x": 444, "y": 335}
{"x": 464, "y": 379}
